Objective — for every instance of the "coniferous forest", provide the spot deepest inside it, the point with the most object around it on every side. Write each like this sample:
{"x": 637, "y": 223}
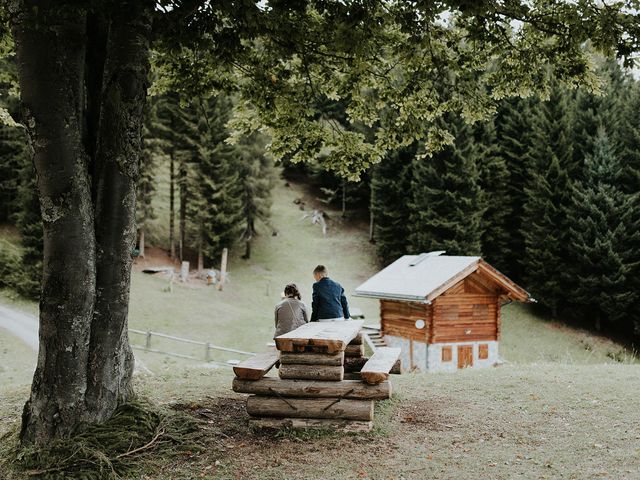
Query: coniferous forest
{"x": 547, "y": 191}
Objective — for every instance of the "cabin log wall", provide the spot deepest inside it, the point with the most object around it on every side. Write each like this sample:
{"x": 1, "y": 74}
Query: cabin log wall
{"x": 399, "y": 319}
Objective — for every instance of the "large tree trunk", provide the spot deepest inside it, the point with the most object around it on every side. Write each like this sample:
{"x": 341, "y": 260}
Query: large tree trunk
{"x": 85, "y": 361}
{"x": 117, "y": 164}
{"x": 50, "y": 44}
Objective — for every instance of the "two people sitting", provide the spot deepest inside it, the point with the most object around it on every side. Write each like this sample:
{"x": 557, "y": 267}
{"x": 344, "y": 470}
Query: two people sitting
{"x": 328, "y": 304}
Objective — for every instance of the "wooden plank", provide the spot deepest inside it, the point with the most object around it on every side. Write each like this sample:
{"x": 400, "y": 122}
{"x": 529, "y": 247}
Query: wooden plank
{"x": 311, "y": 372}
{"x": 256, "y": 367}
{"x": 354, "y": 350}
{"x": 377, "y": 369}
{"x": 334, "y": 336}
{"x": 346, "y": 409}
{"x": 333, "y": 424}
{"x": 357, "y": 339}
{"x": 355, "y": 364}
{"x": 312, "y": 358}
{"x": 352, "y": 389}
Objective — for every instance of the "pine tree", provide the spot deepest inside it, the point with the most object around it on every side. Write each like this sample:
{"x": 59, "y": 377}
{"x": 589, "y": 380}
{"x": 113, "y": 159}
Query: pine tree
{"x": 628, "y": 137}
{"x": 446, "y": 205}
{"x": 256, "y": 176}
{"x": 605, "y": 238}
{"x": 146, "y": 181}
{"x": 494, "y": 182}
{"x": 217, "y": 189}
{"x": 545, "y": 231}
{"x": 552, "y": 169}
{"x": 513, "y": 136}
{"x": 390, "y": 196}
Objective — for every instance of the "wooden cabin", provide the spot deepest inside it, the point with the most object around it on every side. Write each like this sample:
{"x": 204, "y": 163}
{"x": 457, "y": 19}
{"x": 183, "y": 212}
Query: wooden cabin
{"x": 442, "y": 311}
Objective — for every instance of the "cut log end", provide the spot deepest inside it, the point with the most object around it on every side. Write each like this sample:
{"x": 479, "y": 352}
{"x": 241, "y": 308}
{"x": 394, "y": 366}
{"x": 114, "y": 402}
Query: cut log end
{"x": 374, "y": 378}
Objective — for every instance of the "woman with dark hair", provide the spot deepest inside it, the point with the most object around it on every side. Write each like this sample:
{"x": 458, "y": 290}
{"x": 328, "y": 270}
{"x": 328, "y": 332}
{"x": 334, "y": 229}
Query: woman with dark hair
{"x": 291, "y": 312}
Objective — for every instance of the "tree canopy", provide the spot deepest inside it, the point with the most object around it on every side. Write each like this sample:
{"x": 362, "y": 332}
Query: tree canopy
{"x": 398, "y": 66}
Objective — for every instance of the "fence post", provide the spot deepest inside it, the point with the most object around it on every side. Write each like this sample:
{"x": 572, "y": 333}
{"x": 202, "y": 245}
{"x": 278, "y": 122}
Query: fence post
{"x": 207, "y": 358}
{"x": 147, "y": 342}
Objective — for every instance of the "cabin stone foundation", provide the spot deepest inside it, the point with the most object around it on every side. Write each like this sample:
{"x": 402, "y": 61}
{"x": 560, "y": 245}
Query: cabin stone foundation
{"x": 429, "y": 357}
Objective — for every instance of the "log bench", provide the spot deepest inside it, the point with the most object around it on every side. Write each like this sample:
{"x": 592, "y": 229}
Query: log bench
{"x": 377, "y": 368}
{"x": 256, "y": 367}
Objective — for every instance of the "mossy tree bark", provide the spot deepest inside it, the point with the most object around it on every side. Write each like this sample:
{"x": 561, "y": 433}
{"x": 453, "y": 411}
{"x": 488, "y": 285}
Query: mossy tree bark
{"x": 83, "y": 79}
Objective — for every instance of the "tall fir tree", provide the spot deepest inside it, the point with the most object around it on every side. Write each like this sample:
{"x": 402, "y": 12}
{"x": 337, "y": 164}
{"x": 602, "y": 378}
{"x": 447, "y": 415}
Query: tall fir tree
{"x": 513, "y": 136}
{"x": 217, "y": 189}
{"x": 605, "y": 239}
{"x": 446, "y": 203}
{"x": 552, "y": 169}
{"x": 146, "y": 186}
{"x": 256, "y": 176}
{"x": 628, "y": 137}
{"x": 494, "y": 182}
{"x": 545, "y": 232}
{"x": 390, "y": 197}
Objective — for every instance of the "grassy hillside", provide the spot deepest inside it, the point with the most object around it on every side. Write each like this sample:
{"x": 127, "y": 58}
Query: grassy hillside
{"x": 563, "y": 406}
{"x": 241, "y": 316}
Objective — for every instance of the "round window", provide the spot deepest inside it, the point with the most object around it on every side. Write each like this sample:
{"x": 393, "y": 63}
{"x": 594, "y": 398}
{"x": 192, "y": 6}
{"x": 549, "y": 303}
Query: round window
{"x": 420, "y": 324}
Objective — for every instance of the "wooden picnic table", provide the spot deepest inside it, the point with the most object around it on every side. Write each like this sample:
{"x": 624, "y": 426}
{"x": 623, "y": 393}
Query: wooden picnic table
{"x": 330, "y": 337}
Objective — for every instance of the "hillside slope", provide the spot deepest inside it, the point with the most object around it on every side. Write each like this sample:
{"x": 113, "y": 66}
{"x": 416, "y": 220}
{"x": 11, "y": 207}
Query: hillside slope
{"x": 241, "y": 316}
{"x": 563, "y": 406}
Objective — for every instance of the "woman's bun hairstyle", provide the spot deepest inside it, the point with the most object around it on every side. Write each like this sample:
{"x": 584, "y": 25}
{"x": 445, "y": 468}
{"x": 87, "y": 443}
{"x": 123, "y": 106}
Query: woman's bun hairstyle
{"x": 291, "y": 290}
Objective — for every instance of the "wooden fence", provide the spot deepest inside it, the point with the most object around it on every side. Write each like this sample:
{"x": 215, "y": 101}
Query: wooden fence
{"x": 207, "y": 347}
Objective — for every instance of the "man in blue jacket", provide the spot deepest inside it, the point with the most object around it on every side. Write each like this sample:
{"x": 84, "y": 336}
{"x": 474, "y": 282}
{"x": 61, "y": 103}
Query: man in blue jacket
{"x": 328, "y": 301}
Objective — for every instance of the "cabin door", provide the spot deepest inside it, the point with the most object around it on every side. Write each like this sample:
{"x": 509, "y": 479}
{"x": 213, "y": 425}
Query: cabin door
{"x": 465, "y": 356}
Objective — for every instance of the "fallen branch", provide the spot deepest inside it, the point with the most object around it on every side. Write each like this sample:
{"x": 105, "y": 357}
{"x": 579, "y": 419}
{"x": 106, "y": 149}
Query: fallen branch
{"x": 144, "y": 447}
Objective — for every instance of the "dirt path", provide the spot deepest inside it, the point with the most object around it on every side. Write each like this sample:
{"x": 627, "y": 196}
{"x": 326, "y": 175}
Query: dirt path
{"x": 25, "y": 327}
{"x": 20, "y": 325}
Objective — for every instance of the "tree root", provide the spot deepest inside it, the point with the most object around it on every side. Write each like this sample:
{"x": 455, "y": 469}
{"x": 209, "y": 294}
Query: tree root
{"x": 112, "y": 449}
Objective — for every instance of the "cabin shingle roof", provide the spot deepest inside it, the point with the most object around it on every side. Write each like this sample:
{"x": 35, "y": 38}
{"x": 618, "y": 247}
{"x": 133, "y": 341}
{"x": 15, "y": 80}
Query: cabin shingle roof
{"x": 423, "y": 277}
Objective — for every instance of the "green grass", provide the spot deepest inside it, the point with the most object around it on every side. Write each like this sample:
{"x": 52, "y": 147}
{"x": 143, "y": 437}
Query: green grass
{"x": 515, "y": 421}
{"x": 529, "y": 338}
